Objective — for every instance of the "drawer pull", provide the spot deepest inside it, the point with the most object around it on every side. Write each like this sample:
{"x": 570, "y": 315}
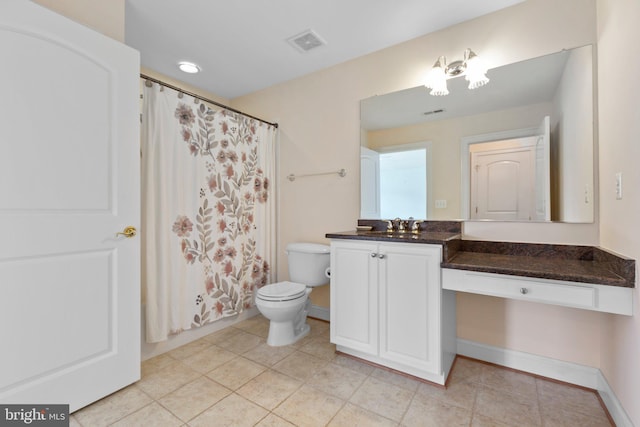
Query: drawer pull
{"x": 373, "y": 255}
{"x": 381, "y": 256}
{"x": 524, "y": 291}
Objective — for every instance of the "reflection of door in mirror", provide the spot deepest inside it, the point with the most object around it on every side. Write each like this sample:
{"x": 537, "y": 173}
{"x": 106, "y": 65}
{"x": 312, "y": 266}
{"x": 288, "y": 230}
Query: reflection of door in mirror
{"x": 543, "y": 172}
{"x": 500, "y": 190}
{"x": 502, "y": 180}
{"x": 509, "y": 179}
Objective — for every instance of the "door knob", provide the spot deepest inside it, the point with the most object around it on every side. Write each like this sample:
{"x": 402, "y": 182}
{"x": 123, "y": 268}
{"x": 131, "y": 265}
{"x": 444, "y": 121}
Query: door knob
{"x": 128, "y": 232}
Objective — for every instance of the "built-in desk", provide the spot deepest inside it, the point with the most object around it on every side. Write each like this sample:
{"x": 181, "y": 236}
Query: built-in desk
{"x": 573, "y": 276}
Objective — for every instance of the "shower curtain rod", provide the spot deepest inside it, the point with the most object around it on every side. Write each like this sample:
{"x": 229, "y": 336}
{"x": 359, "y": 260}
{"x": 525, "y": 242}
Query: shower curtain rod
{"x": 202, "y": 98}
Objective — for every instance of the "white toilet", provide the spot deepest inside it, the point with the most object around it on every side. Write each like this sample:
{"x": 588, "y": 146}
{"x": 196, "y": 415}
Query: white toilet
{"x": 286, "y": 304}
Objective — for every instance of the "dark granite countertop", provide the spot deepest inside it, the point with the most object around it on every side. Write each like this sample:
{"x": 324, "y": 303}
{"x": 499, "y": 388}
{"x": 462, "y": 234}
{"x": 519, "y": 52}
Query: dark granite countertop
{"x": 584, "y": 264}
{"x": 406, "y": 237}
{"x": 544, "y": 268}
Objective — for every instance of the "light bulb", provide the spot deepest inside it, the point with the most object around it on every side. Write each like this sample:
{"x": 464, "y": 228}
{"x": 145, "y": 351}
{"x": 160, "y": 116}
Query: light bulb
{"x": 188, "y": 67}
{"x": 437, "y": 79}
{"x": 476, "y": 71}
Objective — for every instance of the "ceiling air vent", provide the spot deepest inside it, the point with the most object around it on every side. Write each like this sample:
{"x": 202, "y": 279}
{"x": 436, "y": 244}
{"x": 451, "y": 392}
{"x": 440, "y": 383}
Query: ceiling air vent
{"x": 306, "y": 41}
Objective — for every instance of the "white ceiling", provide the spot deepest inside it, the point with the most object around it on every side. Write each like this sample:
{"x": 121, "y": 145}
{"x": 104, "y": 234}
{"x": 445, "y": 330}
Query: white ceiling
{"x": 241, "y": 44}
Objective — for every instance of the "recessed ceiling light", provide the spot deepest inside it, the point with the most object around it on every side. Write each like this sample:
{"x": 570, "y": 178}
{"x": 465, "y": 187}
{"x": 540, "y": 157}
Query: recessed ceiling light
{"x": 188, "y": 67}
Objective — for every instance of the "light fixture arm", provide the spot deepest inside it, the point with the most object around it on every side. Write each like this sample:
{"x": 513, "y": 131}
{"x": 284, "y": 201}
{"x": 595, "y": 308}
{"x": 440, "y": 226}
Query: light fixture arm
{"x": 456, "y": 68}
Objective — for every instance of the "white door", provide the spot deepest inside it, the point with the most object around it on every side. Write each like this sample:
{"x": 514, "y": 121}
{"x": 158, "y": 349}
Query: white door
{"x": 369, "y": 183}
{"x": 502, "y": 184}
{"x": 69, "y": 180}
{"x": 410, "y": 305}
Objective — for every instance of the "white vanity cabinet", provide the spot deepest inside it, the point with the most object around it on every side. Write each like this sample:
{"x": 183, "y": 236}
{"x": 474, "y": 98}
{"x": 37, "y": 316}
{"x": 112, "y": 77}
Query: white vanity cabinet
{"x": 387, "y": 306}
{"x": 354, "y": 295}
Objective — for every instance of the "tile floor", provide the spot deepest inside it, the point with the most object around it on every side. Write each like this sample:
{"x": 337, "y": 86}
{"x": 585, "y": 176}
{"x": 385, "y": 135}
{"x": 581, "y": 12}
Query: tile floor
{"x": 232, "y": 378}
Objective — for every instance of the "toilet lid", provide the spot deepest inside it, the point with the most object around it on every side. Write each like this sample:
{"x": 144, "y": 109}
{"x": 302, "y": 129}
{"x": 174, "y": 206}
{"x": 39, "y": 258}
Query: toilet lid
{"x": 282, "y": 291}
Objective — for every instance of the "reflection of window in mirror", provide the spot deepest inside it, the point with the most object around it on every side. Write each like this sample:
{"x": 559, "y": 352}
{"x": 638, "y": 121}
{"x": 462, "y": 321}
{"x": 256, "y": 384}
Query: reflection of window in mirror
{"x": 402, "y": 190}
{"x": 394, "y": 181}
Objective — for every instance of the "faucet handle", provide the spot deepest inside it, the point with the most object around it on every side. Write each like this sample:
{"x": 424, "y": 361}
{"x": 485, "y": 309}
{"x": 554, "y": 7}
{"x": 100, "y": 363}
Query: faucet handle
{"x": 415, "y": 227}
{"x": 389, "y": 226}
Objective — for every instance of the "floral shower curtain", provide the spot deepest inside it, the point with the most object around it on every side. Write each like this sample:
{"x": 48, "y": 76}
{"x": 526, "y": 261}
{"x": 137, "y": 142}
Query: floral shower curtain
{"x": 208, "y": 211}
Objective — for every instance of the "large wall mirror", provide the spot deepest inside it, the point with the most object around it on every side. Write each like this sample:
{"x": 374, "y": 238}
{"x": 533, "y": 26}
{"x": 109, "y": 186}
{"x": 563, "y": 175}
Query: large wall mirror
{"x": 520, "y": 148}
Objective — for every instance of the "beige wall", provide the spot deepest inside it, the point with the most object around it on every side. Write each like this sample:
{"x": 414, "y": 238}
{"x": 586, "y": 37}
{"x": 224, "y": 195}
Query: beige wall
{"x": 573, "y": 108}
{"x": 320, "y": 296}
{"x": 106, "y": 17}
{"x": 619, "y": 123}
{"x": 319, "y": 119}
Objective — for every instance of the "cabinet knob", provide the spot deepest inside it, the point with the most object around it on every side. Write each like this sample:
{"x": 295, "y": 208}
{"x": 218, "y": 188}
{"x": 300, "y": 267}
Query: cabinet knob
{"x": 524, "y": 291}
{"x": 381, "y": 256}
{"x": 373, "y": 255}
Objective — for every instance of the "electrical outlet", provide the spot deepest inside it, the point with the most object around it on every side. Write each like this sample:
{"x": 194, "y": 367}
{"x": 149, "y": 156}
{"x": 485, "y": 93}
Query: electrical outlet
{"x": 586, "y": 194}
{"x": 441, "y": 204}
{"x": 619, "y": 186}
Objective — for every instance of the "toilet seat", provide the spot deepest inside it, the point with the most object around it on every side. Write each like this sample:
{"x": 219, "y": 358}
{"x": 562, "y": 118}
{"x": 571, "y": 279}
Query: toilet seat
{"x": 282, "y": 291}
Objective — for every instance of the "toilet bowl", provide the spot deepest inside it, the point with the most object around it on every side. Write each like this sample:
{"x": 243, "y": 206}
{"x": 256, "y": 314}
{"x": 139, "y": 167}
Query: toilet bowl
{"x": 286, "y": 304}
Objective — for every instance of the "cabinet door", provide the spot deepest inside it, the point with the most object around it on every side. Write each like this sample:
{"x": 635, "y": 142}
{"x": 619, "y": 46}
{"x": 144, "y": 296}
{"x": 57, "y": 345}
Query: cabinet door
{"x": 354, "y": 296}
{"x": 409, "y": 280}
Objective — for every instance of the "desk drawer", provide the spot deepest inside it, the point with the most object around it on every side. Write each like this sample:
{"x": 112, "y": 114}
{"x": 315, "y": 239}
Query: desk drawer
{"x": 588, "y": 296}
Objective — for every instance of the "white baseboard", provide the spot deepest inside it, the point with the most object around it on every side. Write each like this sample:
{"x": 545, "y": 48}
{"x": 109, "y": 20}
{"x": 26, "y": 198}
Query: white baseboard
{"x": 318, "y": 312}
{"x": 612, "y": 403}
{"x": 568, "y": 372}
{"x": 150, "y": 350}
{"x": 572, "y": 373}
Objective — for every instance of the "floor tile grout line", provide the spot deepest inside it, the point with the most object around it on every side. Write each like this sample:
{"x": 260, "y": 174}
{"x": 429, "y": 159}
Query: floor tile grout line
{"x": 285, "y": 399}
{"x": 475, "y": 401}
{"x": 200, "y": 413}
{"x": 370, "y": 375}
{"x": 540, "y": 414}
{"x": 404, "y": 414}
{"x": 344, "y": 403}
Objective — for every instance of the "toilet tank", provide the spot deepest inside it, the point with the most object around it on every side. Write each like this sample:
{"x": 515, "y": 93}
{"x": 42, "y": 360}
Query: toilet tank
{"x": 308, "y": 263}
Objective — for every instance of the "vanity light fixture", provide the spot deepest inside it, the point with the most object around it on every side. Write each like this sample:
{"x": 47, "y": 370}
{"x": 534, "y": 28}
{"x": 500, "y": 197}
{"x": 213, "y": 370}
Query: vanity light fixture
{"x": 471, "y": 67}
{"x": 188, "y": 67}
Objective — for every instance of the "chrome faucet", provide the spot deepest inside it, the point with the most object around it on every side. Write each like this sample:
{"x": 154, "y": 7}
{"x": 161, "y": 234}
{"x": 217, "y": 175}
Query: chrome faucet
{"x": 401, "y": 225}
